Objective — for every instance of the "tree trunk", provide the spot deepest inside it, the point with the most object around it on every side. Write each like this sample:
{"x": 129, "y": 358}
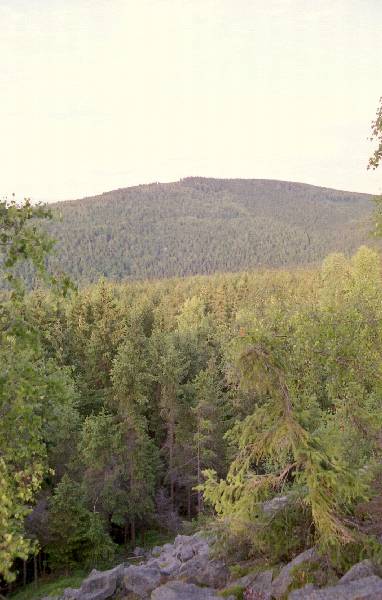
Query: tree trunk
{"x": 189, "y": 503}
{"x": 35, "y": 570}
{"x": 199, "y": 478}
{"x": 171, "y": 463}
{"x": 132, "y": 529}
{"x": 24, "y": 573}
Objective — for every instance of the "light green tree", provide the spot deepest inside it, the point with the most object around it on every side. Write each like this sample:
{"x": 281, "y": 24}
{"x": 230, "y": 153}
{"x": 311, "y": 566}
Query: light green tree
{"x": 29, "y": 384}
{"x": 317, "y": 410}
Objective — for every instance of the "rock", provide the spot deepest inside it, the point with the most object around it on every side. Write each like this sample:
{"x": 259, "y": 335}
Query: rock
{"x": 99, "y": 585}
{"x": 303, "y": 592}
{"x": 367, "y": 588}
{"x": 185, "y": 552}
{"x": 169, "y": 567}
{"x": 70, "y": 594}
{"x": 139, "y": 551}
{"x": 274, "y": 505}
{"x": 177, "y": 590}
{"x": 362, "y": 569}
{"x": 188, "y": 546}
{"x": 141, "y": 580}
{"x": 261, "y": 587}
{"x": 180, "y": 540}
{"x": 212, "y": 573}
{"x": 282, "y": 582}
{"x": 188, "y": 554}
{"x": 244, "y": 581}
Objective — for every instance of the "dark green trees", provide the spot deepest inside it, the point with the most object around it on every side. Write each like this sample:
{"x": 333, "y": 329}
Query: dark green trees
{"x": 203, "y": 226}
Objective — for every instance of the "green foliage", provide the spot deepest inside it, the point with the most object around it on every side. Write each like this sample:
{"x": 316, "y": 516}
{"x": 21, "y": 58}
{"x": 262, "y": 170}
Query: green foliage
{"x": 314, "y": 383}
{"x": 31, "y": 387}
{"x": 283, "y": 535}
{"x": 236, "y": 591}
{"x": 50, "y": 587}
{"x": 77, "y": 535}
{"x": 376, "y": 128}
{"x": 21, "y": 239}
{"x": 100, "y": 549}
{"x": 270, "y": 381}
{"x": 305, "y": 573}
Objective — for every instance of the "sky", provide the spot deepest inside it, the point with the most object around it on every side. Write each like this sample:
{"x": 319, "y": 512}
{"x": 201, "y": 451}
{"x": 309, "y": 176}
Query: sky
{"x": 102, "y": 94}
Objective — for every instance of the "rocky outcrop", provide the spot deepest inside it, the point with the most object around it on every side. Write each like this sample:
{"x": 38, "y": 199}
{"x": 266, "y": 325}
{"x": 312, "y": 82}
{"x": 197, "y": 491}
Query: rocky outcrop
{"x": 362, "y": 569}
{"x": 141, "y": 580}
{"x": 198, "y": 570}
{"x": 185, "y": 570}
{"x": 261, "y": 587}
{"x": 186, "y": 562}
{"x": 367, "y": 588}
{"x": 177, "y": 590}
{"x": 281, "y": 584}
{"x": 99, "y": 585}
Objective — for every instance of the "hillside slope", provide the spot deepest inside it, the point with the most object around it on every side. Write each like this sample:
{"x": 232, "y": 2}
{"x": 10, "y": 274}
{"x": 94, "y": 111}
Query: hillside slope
{"x": 199, "y": 225}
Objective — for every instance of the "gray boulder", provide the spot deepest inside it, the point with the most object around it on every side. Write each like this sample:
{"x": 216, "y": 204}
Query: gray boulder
{"x": 177, "y": 590}
{"x": 303, "y": 593}
{"x": 367, "y": 588}
{"x": 187, "y": 546}
{"x": 169, "y": 567}
{"x": 244, "y": 581}
{"x": 185, "y": 552}
{"x": 261, "y": 587}
{"x": 141, "y": 580}
{"x": 362, "y": 569}
{"x": 99, "y": 585}
{"x": 282, "y": 582}
{"x": 199, "y": 570}
{"x": 273, "y": 506}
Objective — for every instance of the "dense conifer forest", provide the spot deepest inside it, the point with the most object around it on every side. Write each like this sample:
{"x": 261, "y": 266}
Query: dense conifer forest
{"x": 129, "y": 409}
{"x": 202, "y": 226}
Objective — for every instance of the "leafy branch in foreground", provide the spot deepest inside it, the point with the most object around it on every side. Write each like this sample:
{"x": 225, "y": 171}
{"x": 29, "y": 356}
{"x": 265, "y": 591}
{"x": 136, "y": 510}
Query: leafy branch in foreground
{"x": 29, "y": 384}
{"x": 376, "y": 129}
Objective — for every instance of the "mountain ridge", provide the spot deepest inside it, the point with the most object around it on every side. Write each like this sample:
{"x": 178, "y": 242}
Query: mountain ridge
{"x": 205, "y": 178}
{"x": 200, "y": 225}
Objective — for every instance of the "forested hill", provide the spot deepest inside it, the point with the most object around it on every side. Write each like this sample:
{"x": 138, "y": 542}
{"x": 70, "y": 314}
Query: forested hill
{"x": 200, "y": 226}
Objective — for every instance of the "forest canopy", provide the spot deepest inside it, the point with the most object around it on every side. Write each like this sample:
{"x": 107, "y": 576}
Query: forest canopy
{"x": 148, "y": 403}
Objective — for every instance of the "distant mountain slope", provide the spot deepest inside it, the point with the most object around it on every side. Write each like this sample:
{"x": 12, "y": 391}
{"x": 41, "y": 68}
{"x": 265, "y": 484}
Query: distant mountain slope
{"x": 200, "y": 225}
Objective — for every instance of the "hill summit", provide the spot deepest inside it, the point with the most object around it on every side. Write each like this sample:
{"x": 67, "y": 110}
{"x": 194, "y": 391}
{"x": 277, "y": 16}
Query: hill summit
{"x": 200, "y": 225}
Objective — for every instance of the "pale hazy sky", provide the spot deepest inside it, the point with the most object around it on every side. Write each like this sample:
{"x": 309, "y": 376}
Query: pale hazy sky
{"x": 101, "y": 94}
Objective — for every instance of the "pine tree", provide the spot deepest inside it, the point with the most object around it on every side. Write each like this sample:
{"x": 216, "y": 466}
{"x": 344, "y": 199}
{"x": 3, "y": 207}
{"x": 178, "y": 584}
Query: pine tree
{"x": 137, "y": 457}
{"x": 209, "y": 412}
{"x": 313, "y": 382}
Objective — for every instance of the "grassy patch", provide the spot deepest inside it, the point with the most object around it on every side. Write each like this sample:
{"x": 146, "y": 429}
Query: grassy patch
{"x": 304, "y": 573}
{"x": 156, "y": 538}
{"x": 49, "y": 587}
{"x": 236, "y": 591}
